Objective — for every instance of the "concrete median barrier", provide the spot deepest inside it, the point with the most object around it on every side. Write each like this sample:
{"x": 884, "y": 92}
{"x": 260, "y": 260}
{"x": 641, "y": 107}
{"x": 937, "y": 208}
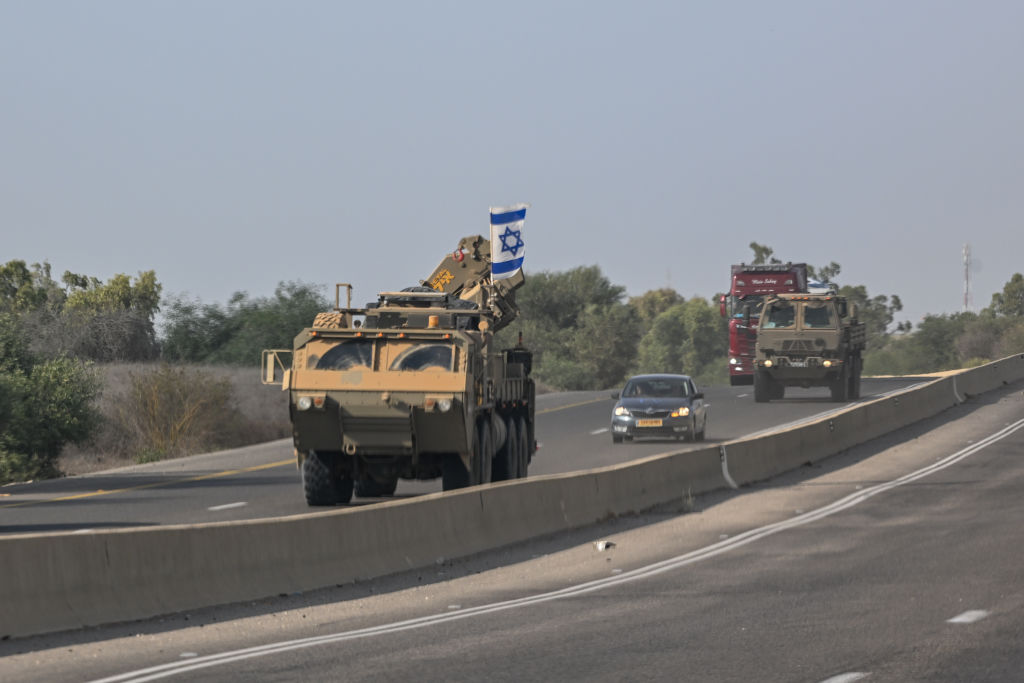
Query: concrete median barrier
{"x": 51, "y": 582}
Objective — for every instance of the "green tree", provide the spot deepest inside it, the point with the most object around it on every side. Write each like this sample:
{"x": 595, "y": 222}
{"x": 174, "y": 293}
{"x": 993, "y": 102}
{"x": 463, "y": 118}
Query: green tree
{"x": 763, "y": 254}
{"x": 44, "y": 404}
{"x": 690, "y": 337}
{"x": 1010, "y": 301}
{"x": 567, "y": 318}
{"x": 237, "y": 333}
{"x": 653, "y": 303}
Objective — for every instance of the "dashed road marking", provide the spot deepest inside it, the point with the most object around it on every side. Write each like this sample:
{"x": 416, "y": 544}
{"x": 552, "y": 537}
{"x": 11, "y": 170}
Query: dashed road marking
{"x": 968, "y": 617}
{"x": 226, "y": 506}
{"x": 599, "y": 431}
{"x": 847, "y": 677}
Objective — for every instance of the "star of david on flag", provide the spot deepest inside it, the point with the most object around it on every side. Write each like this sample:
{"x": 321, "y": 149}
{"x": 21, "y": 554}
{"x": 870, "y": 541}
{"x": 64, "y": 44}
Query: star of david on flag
{"x": 507, "y": 246}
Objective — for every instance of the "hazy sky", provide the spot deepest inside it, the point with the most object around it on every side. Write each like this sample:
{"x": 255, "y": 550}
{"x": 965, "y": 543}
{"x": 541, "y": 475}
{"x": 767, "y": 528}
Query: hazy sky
{"x": 230, "y": 146}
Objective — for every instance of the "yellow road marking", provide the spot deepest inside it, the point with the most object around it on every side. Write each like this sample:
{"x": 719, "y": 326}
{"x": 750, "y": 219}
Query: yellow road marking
{"x": 140, "y": 487}
{"x": 571, "y": 405}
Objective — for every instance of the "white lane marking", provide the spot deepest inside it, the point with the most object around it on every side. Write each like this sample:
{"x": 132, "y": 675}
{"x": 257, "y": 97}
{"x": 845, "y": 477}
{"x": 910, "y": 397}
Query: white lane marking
{"x": 742, "y": 395}
{"x": 166, "y": 670}
{"x": 599, "y": 431}
{"x": 968, "y": 617}
{"x": 847, "y": 677}
{"x": 228, "y": 506}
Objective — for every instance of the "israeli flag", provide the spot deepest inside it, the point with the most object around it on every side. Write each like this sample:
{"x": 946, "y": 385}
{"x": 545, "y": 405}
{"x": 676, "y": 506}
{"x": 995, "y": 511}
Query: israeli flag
{"x": 507, "y": 247}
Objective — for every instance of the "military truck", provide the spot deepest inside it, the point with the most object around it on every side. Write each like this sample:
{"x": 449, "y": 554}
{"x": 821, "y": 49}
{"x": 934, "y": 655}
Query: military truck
{"x": 808, "y": 340}
{"x": 411, "y": 386}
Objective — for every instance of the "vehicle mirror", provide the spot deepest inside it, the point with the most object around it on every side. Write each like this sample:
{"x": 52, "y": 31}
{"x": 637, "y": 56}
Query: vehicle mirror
{"x": 699, "y": 394}
{"x": 746, "y": 314}
{"x": 721, "y": 305}
{"x": 853, "y": 310}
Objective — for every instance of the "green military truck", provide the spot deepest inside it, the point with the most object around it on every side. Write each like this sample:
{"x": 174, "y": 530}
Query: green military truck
{"x": 808, "y": 340}
{"x": 411, "y": 386}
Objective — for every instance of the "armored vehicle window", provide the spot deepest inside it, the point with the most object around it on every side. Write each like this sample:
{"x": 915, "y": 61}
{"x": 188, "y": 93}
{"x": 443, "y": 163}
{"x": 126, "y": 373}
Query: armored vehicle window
{"x": 818, "y": 315}
{"x": 347, "y": 355}
{"x": 779, "y": 314}
{"x": 424, "y": 357}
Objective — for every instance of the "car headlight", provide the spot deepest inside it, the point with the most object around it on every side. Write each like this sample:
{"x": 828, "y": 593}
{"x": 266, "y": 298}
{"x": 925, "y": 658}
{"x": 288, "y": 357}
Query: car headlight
{"x": 682, "y": 412}
{"x": 444, "y": 404}
{"x": 827, "y": 364}
{"x": 734, "y": 361}
{"x": 304, "y": 403}
{"x": 621, "y": 410}
{"x": 768, "y": 363}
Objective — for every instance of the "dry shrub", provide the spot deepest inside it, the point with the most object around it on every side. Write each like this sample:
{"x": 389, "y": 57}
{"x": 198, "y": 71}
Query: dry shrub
{"x": 153, "y": 411}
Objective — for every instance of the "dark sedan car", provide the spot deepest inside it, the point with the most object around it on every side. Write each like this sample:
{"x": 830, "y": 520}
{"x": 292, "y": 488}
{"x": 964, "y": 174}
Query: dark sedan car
{"x": 663, "y": 406}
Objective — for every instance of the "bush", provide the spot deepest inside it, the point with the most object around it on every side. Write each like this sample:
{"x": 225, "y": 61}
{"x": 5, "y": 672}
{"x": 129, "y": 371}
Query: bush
{"x": 237, "y": 411}
{"x": 174, "y": 411}
{"x": 43, "y": 406}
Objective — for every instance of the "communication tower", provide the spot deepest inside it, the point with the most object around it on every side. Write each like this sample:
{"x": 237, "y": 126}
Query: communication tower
{"x": 968, "y": 299}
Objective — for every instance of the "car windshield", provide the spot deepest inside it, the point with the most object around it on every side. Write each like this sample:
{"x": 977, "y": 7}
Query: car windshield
{"x": 779, "y": 314}
{"x": 818, "y": 315}
{"x": 738, "y": 304}
{"x": 657, "y": 387}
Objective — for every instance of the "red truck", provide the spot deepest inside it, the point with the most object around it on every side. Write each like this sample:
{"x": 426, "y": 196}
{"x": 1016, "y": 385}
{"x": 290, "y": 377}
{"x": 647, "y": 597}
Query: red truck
{"x": 748, "y": 286}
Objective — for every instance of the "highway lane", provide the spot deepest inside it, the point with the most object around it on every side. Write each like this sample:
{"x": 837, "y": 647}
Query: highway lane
{"x": 897, "y": 561}
{"x": 261, "y": 481}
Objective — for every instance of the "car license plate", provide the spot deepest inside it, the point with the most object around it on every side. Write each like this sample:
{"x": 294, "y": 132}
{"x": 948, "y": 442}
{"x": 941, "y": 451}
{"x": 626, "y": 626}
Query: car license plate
{"x": 648, "y": 423}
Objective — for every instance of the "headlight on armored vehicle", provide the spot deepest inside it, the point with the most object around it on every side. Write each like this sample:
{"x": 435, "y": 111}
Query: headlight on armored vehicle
{"x": 444, "y": 404}
{"x": 304, "y": 403}
{"x": 682, "y": 412}
{"x": 827, "y": 364}
{"x": 768, "y": 363}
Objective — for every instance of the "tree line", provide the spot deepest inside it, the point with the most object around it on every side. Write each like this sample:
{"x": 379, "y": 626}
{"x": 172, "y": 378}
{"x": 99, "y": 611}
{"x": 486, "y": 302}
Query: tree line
{"x": 585, "y": 331}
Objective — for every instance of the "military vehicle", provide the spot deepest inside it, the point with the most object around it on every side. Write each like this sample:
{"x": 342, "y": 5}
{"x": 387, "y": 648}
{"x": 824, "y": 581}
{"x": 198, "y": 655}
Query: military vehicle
{"x": 411, "y": 386}
{"x": 808, "y": 340}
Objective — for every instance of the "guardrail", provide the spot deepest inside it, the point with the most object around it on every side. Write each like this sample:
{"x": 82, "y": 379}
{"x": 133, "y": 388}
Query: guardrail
{"x": 59, "y": 581}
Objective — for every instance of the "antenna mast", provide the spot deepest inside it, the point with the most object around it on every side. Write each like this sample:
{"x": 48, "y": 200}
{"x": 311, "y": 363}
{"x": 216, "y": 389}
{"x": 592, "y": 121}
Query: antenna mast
{"x": 967, "y": 279}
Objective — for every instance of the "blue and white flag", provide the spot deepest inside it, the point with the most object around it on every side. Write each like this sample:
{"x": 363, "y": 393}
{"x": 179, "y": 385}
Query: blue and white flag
{"x": 507, "y": 247}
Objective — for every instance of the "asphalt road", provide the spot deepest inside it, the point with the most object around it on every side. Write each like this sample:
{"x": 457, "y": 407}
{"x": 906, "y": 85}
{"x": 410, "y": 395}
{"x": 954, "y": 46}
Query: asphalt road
{"x": 262, "y": 481}
{"x": 897, "y": 561}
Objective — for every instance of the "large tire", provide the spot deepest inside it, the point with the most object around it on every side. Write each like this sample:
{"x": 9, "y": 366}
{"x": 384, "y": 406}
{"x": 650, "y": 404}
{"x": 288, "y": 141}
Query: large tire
{"x": 762, "y": 387}
{"x": 483, "y": 453}
{"x": 702, "y": 434}
{"x": 330, "y": 320}
{"x": 320, "y": 482}
{"x": 506, "y": 460}
{"x": 841, "y": 386}
{"x": 454, "y": 474}
{"x": 856, "y": 364}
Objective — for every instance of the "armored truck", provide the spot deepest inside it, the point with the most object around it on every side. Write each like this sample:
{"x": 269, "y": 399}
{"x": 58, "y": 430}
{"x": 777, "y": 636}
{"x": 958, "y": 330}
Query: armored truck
{"x": 411, "y": 386}
{"x": 808, "y": 340}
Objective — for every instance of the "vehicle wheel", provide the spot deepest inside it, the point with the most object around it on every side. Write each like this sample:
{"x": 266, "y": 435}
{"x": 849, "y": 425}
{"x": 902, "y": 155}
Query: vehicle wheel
{"x": 320, "y": 483}
{"x": 762, "y": 387}
{"x": 841, "y": 386}
{"x": 699, "y": 436}
{"x": 524, "y": 447}
{"x": 858, "y": 364}
{"x": 506, "y": 460}
{"x": 454, "y": 474}
{"x": 368, "y": 487}
{"x": 691, "y": 433}
{"x": 483, "y": 452}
